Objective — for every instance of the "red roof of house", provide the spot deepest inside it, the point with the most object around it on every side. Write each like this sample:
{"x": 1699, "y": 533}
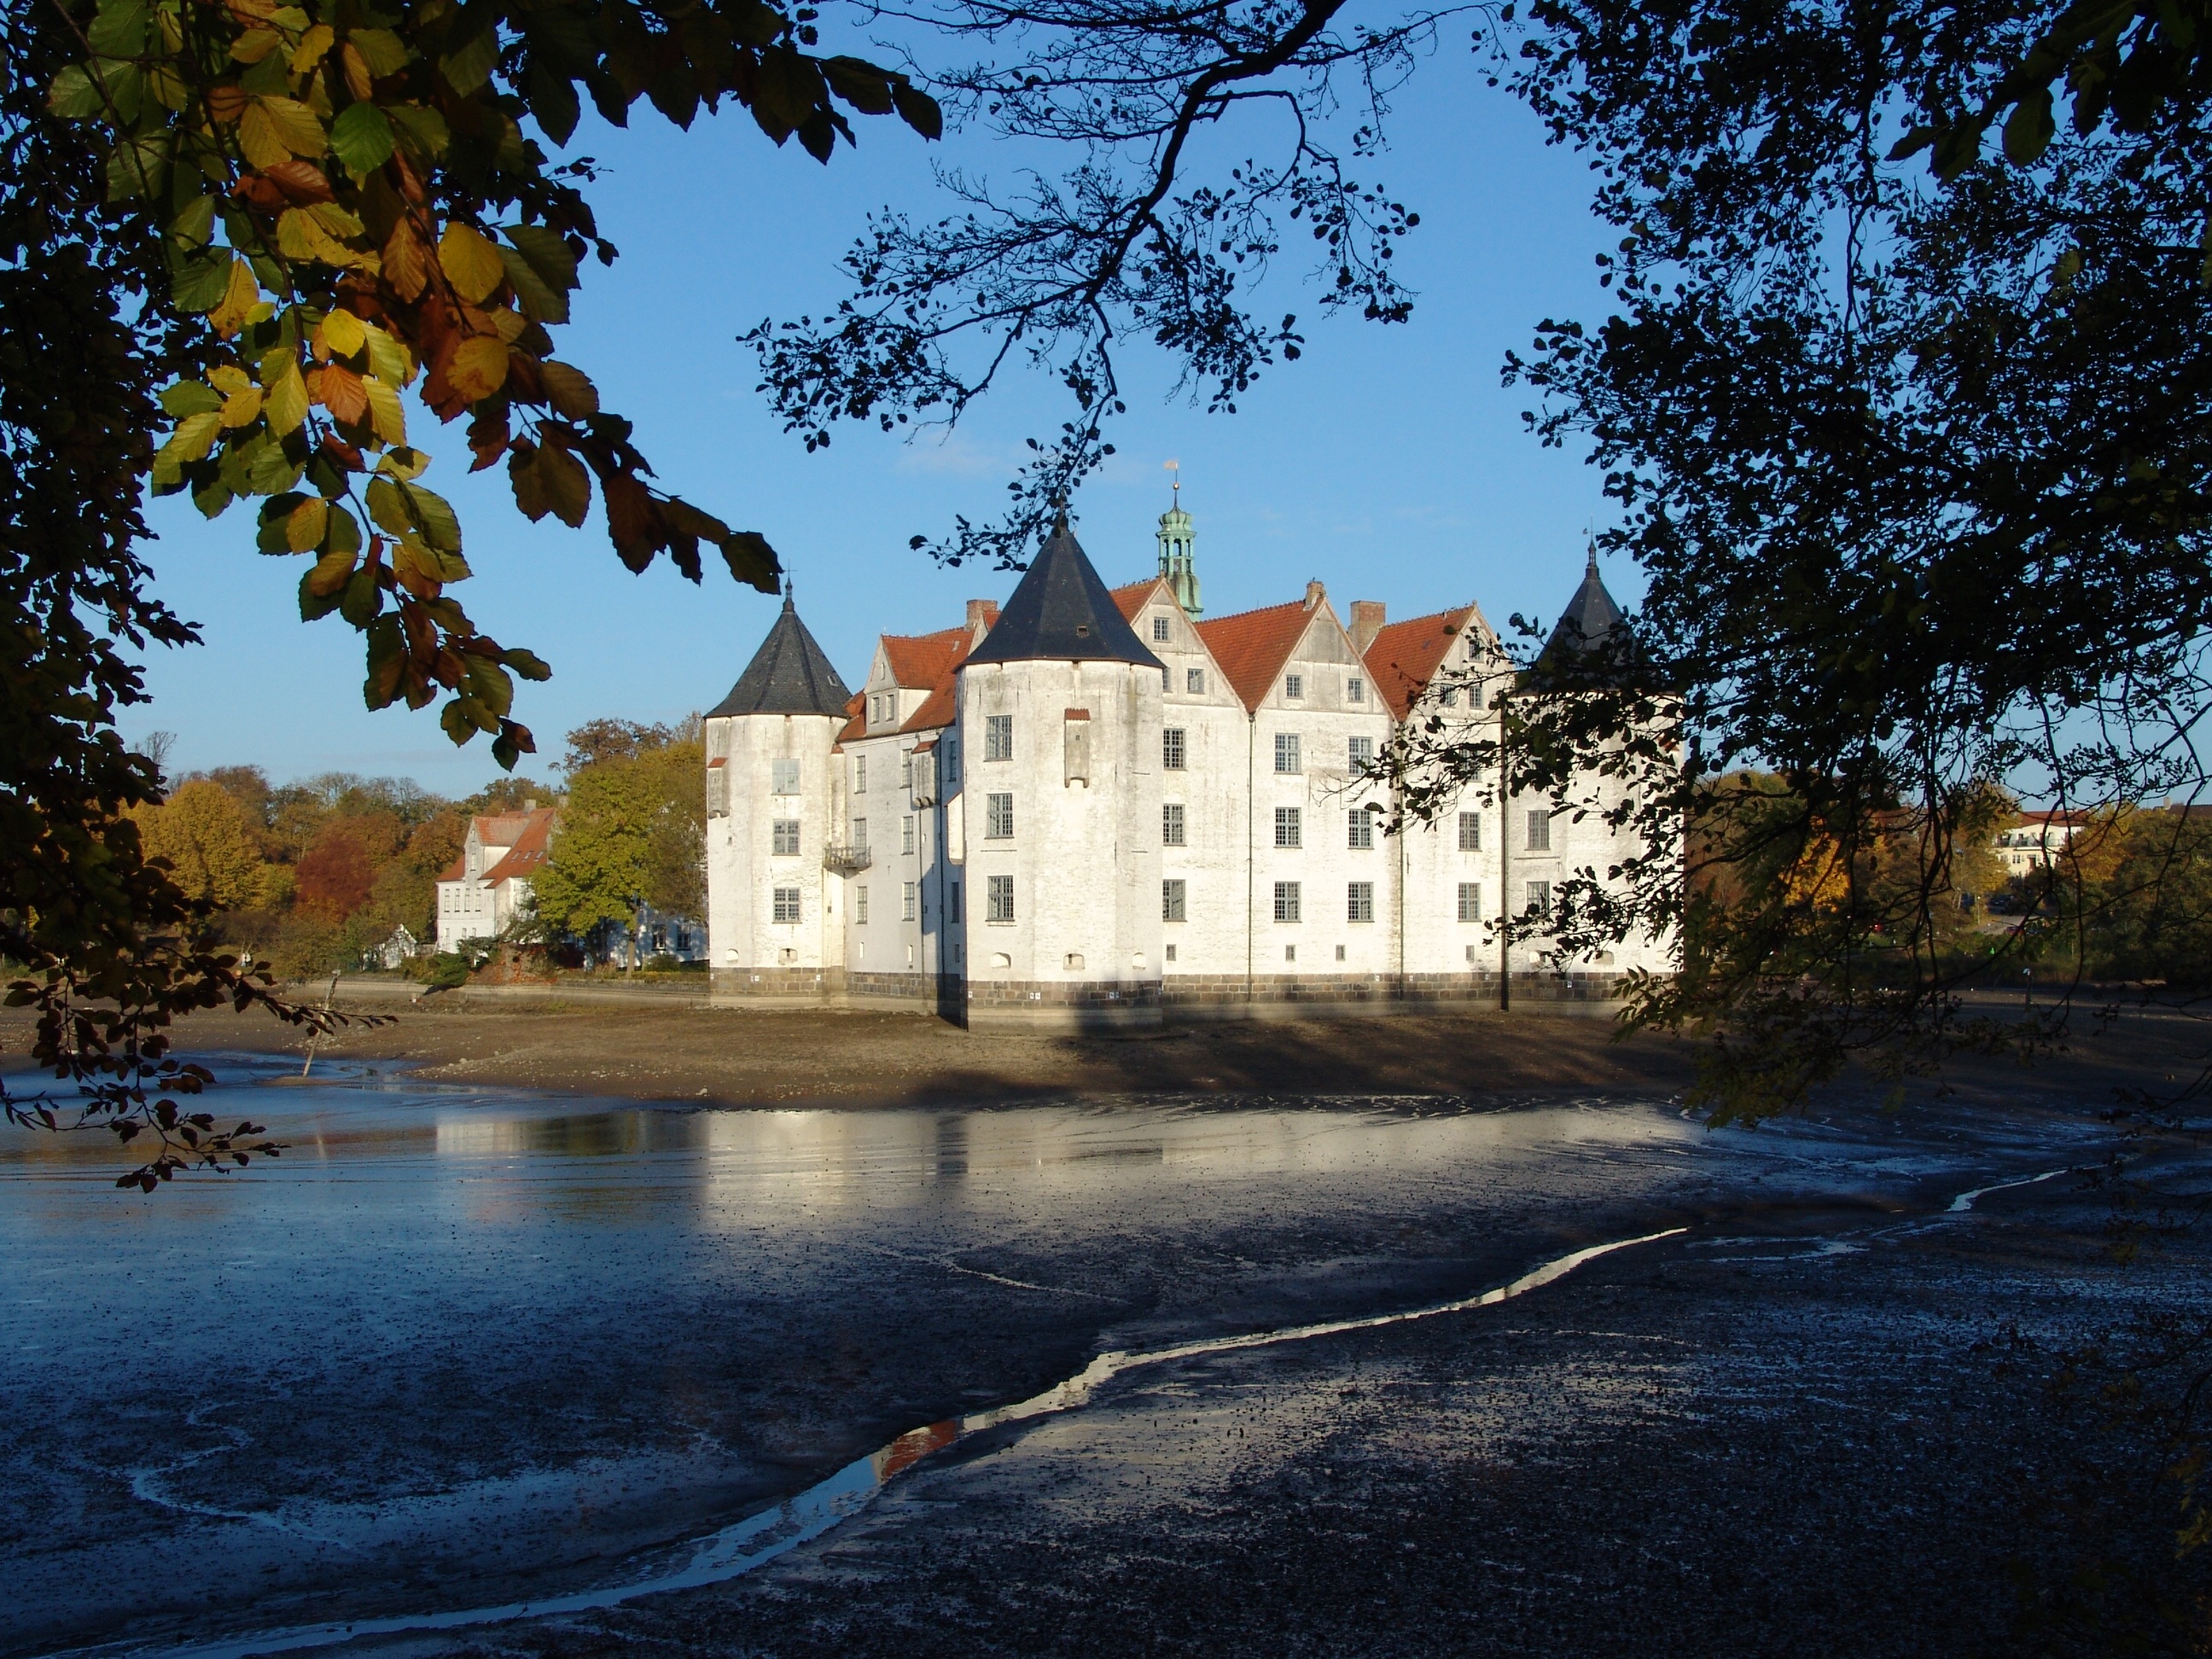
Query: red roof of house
{"x": 918, "y": 661}
{"x": 856, "y": 725}
{"x": 1131, "y": 599}
{"x": 939, "y": 708}
{"x": 1253, "y": 646}
{"x": 526, "y": 852}
{"x": 1404, "y": 656}
{"x": 455, "y": 871}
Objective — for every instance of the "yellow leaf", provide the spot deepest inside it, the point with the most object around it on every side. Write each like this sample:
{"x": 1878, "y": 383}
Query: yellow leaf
{"x": 308, "y": 521}
{"x": 194, "y": 437}
{"x": 301, "y": 235}
{"x": 258, "y": 137}
{"x": 358, "y": 80}
{"x": 227, "y": 379}
{"x": 330, "y": 572}
{"x": 387, "y": 359}
{"x": 471, "y": 264}
{"x": 242, "y": 407}
{"x": 255, "y": 44}
{"x": 313, "y": 45}
{"x": 342, "y": 333}
{"x": 510, "y": 324}
{"x": 288, "y": 401}
{"x": 569, "y": 390}
{"x": 239, "y": 299}
{"x": 297, "y": 127}
{"x": 386, "y": 417}
{"x": 478, "y": 368}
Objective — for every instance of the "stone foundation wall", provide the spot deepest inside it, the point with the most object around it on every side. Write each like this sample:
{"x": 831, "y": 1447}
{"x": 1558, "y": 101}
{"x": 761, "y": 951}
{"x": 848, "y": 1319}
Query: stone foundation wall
{"x": 784, "y": 984}
{"x": 905, "y": 987}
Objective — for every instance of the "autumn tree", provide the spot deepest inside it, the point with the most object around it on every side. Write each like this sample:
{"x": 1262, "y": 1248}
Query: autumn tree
{"x": 335, "y": 876}
{"x": 596, "y": 869}
{"x": 204, "y": 837}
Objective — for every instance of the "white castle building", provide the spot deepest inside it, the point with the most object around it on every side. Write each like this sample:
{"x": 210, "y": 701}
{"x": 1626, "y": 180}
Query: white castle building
{"x": 1093, "y": 807}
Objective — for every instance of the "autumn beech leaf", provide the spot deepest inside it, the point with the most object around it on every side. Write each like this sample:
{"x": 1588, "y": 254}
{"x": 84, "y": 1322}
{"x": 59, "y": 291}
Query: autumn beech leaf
{"x": 361, "y": 138}
{"x": 224, "y": 103}
{"x": 567, "y": 487}
{"x": 345, "y": 394}
{"x": 471, "y": 262}
{"x": 287, "y": 401}
{"x": 274, "y": 129}
{"x": 569, "y": 390}
{"x": 240, "y": 296}
{"x": 478, "y": 368}
{"x": 528, "y": 483}
{"x": 242, "y": 407}
{"x": 387, "y": 359}
{"x": 341, "y": 334}
{"x": 406, "y": 263}
{"x": 313, "y": 45}
{"x": 305, "y": 526}
{"x": 194, "y": 437}
{"x": 386, "y": 417}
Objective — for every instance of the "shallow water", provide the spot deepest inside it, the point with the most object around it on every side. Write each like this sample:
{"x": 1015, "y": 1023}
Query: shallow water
{"x": 460, "y": 1348}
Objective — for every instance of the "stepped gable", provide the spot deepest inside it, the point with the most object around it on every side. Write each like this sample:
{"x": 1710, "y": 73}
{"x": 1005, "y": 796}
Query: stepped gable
{"x": 1404, "y": 656}
{"x": 1061, "y": 611}
{"x": 1251, "y": 646}
{"x": 1589, "y": 616}
{"x": 788, "y": 675}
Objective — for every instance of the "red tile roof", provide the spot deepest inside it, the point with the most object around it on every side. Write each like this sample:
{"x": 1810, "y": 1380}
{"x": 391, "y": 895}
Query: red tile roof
{"x": 1252, "y": 647}
{"x": 918, "y": 661}
{"x": 1402, "y": 657}
{"x": 526, "y": 852}
{"x": 856, "y": 725}
{"x": 457, "y": 871}
{"x": 940, "y": 708}
{"x": 1131, "y": 599}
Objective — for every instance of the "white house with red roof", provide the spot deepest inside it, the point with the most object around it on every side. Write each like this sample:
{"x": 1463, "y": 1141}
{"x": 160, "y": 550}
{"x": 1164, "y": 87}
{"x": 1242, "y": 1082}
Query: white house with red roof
{"x": 1097, "y": 804}
{"x": 489, "y": 884}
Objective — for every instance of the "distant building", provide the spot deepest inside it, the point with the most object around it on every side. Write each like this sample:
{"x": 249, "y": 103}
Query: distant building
{"x": 485, "y": 889}
{"x": 2036, "y": 841}
{"x": 401, "y": 947}
{"x": 1093, "y": 805}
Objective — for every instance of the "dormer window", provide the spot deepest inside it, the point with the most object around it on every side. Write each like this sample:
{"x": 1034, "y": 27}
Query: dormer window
{"x": 1294, "y": 685}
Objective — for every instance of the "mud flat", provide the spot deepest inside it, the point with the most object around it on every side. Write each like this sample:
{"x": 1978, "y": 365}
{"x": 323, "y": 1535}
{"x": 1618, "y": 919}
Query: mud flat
{"x": 470, "y": 1349}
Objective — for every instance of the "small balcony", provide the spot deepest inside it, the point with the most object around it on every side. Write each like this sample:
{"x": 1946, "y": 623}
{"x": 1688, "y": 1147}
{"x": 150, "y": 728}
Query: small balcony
{"x": 845, "y": 861}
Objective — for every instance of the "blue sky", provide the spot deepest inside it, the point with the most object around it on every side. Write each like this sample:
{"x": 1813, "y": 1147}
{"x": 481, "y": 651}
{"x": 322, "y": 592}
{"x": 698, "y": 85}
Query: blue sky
{"x": 1387, "y": 462}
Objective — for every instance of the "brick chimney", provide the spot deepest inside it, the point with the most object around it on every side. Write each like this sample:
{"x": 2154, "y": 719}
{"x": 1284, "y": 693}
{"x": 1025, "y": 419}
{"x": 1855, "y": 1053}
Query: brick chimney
{"x": 981, "y": 613}
{"x": 1313, "y": 593}
{"x": 1366, "y": 623}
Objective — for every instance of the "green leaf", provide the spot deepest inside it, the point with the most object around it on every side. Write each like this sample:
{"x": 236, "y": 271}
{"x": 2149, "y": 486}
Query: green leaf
{"x": 527, "y": 664}
{"x": 387, "y": 656}
{"x": 2028, "y": 130}
{"x": 552, "y": 98}
{"x": 75, "y": 95}
{"x": 140, "y": 167}
{"x": 384, "y": 52}
{"x": 359, "y": 604}
{"x": 191, "y": 397}
{"x": 422, "y": 130}
{"x": 751, "y": 560}
{"x": 505, "y": 749}
{"x": 386, "y": 508}
{"x": 548, "y": 251}
{"x": 434, "y": 516}
{"x": 314, "y": 606}
{"x": 540, "y": 303}
{"x": 201, "y": 278}
{"x": 361, "y": 138}
{"x": 860, "y": 84}
{"x": 194, "y": 226}
{"x": 118, "y": 30}
{"x": 492, "y": 685}
{"x": 918, "y": 109}
{"x": 469, "y": 65}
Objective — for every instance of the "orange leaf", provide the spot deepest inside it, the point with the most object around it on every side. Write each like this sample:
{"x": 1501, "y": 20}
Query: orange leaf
{"x": 344, "y": 395}
{"x": 406, "y": 263}
{"x": 225, "y": 104}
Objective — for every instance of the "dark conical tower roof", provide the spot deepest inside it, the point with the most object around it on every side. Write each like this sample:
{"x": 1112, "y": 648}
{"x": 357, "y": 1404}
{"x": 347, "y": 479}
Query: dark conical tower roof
{"x": 788, "y": 675}
{"x": 1061, "y": 612}
{"x": 1590, "y": 616}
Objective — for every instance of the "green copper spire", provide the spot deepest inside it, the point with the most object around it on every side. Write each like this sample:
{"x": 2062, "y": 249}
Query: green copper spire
{"x": 1178, "y": 557}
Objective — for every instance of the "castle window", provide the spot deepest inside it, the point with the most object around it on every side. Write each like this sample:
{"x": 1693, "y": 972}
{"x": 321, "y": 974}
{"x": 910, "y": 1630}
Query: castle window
{"x": 1540, "y": 898}
{"x": 1470, "y": 902}
{"x": 1289, "y": 827}
{"x": 786, "y": 901}
{"x": 859, "y": 837}
{"x": 906, "y": 833}
{"x": 1358, "y": 904}
{"x": 1001, "y": 899}
{"x": 1451, "y": 697}
{"x": 785, "y": 843}
{"x": 908, "y": 901}
{"x": 1171, "y": 824}
{"x": 861, "y": 905}
{"x": 906, "y": 769}
{"x": 1172, "y": 894}
{"x": 1539, "y": 830}
{"x": 1360, "y": 753}
{"x": 1193, "y": 681}
{"x": 859, "y": 775}
{"x": 1171, "y": 748}
{"x": 1167, "y": 679}
{"x": 1286, "y": 752}
{"x": 1355, "y": 690}
{"x": 1470, "y": 832}
{"x": 1160, "y": 628}
{"x": 783, "y": 777}
{"x": 953, "y": 901}
{"x": 998, "y": 819}
{"x": 997, "y": 737}
{"x": 1359, "y": 828}
{"x": 1171, "y": 953}
{"x": 1286, "y": 901}
{"x": 1294, "y": 685}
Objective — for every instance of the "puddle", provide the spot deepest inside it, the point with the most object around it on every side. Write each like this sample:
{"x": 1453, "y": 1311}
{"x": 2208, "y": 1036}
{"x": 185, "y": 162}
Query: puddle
{"x": 1965, "y": 1201}
{"x": 759, "y": 1539}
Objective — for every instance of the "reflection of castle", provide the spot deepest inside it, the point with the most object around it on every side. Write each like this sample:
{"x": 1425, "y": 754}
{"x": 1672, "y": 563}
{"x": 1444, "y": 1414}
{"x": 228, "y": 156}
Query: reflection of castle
{"x": 1091, "y": 804}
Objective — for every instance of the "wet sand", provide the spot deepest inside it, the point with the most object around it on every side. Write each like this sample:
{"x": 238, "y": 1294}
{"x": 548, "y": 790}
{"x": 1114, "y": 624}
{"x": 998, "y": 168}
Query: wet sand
{"x": 671, "y": 1049}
